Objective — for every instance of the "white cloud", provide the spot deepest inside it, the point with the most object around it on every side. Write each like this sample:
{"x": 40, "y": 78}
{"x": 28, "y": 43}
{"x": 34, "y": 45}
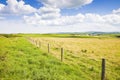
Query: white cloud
{"x": 112, "y": 19}
{"x": 71, "y": 20}
{"x": 50, "y": 6}
{"x": 16, "y": 7}
{"x": 116, "y": 11}
{"x": 49, "y": 12}
{"x": 58, "y": 21}
{"x": 1, "y": 6}
{"x": 96, "y": 18}
{"x": 2, "y": 18}
{"x": 49, "y": 19}
{"x": 13, "y": 26}
{"x": 79, "y": 22}
{"x": 45, "y": 10}
{"x": 66, "y": 3}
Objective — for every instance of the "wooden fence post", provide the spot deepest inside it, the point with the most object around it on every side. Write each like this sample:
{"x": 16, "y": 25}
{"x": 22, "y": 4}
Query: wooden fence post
{"x": 48, "y": 47}
{"x": 36, "y": 42}
{"x": 40, "y": 44}
{"x": 62, "y": 54}
{"x": 103, "y": 70}
{"x": 33, "y": 41}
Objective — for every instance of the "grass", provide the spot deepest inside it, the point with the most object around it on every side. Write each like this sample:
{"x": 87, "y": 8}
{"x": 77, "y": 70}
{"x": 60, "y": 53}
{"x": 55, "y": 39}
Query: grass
{"x": 21, "y": 60}
{"x": 61, "y": 35}
{"x": 85, "y": 54}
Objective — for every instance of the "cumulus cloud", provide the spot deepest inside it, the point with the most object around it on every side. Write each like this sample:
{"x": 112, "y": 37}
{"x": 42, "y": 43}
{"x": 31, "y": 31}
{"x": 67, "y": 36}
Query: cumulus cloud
{"x": 71, "y": 20}
{"x": 20, "y": 27}
{"x": 58, "y": 21}
{"x": 1, "y": 6}
{"x": 16, "y": 7}
{"x": 49, "y": 12}
{"x": 51, "y": 7}
{"x": 2, "y": 18}
{"x": 66, "y": 3}
{"x": 96, "y": 18}
{"x": 79, "y": 22}
{"x": 50, "y": 15}
{"x": 116, "y": 11}
{"x": 112, "y": 19}
{"x": 45, "y": 10}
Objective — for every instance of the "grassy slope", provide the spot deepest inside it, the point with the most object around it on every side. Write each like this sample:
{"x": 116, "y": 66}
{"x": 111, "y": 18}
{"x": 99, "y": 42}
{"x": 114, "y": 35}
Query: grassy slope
{"x": 20, "y": 60}
{"x": 87, "y": 63}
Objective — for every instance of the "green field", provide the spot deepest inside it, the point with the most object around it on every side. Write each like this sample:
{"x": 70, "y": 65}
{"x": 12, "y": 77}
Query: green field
{"x": 23, "y": 59}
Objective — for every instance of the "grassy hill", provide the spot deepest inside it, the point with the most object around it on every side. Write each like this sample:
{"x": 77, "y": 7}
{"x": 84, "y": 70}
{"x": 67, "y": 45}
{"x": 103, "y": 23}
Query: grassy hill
{"x": 21, "y": 59}
{"x": 85, "y": 54}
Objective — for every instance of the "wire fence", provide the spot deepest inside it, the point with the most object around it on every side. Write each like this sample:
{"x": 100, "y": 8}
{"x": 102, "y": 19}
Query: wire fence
{"x": 39, "y": 45}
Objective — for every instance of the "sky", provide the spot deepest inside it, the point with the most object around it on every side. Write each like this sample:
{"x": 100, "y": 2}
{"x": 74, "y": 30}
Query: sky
{"x": 54, "y": 16}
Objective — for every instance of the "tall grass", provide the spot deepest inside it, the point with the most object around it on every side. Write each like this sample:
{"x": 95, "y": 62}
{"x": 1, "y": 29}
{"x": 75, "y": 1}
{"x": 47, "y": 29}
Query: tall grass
{"x": 85, "y": 54}
{"x": 20, "y": 60}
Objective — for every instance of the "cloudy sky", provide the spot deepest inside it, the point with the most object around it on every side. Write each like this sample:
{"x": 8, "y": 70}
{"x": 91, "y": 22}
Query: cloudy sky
{"x": 48, "y": 16}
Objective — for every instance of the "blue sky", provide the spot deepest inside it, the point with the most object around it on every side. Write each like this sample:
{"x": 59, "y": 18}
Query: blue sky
{"x": 97, "y": 6}
{"x": 45, "y": 16}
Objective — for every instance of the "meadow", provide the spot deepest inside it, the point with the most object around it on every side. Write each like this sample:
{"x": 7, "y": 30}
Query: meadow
{"x": 26, "y": 57}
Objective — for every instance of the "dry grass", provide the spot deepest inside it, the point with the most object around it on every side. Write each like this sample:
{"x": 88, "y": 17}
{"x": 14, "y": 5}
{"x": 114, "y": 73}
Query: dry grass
{"x": 95, "y": 48}
{"x": 87, "y": 52}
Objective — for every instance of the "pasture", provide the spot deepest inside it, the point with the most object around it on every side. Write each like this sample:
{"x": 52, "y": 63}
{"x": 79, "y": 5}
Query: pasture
{"x": 85, "y": 54}
{"x": 26, "y": 57}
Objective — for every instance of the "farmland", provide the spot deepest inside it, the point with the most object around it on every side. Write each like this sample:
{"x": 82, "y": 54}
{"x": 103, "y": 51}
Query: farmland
{"x": 26, "y": 57}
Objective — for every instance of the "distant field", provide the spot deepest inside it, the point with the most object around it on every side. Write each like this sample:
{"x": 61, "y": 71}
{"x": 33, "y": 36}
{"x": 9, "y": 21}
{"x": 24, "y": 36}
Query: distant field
{"x": 22, "y": 59}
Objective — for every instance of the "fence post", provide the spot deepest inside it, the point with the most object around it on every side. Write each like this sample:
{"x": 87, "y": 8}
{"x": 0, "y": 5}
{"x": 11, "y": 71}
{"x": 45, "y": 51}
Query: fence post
{"x": 62, "y": 54}
{"x": 36, "y": 43}
{"x": 33, "y": 40}
{"x": 48, "y": 47}
{"x": 103, "y": 70}
{"x": 40, "y": 44}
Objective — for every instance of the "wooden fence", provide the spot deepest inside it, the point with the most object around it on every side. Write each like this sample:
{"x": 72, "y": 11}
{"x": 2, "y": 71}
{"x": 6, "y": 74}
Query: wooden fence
{"x": 39, "y": 44}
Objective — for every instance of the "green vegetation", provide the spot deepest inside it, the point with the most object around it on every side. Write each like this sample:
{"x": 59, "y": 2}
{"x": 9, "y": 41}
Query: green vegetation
{"x": 75, "y": 35}
{"x": 85, "y": 54}
{"x": 21, "y": 60}
{"x": 9, "y": 35}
